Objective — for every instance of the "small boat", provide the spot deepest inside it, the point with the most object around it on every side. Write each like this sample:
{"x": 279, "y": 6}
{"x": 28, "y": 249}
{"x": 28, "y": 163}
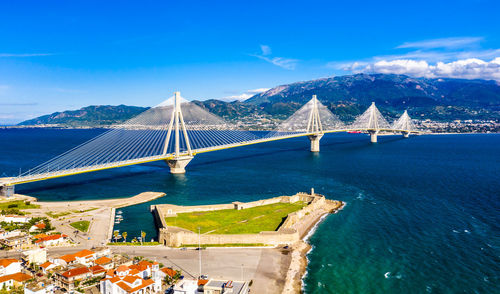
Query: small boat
{"x": 119, "y": 212}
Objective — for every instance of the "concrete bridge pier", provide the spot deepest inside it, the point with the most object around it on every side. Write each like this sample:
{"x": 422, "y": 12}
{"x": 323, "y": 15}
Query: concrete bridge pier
{"x": 373, "y": 136}
{"x": 7, "y": 191}
{"x": 178, "y": 165}
{"x": 405, "y": 134}
{"x": 315, "y": 142}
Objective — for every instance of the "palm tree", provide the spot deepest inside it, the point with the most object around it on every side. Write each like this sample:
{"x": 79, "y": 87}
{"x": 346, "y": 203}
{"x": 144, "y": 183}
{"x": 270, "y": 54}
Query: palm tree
{"x": 116, "y": 234}
{"x": 124, "y": 235}
{"x": 143, "y": 235}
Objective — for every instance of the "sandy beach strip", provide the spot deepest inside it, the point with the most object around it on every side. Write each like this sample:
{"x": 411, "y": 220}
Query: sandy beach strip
{"x": 298, "y": 264}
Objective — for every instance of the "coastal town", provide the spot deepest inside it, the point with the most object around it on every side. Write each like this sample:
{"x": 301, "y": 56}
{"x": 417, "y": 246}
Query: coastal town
{"x": 71, "y": 247}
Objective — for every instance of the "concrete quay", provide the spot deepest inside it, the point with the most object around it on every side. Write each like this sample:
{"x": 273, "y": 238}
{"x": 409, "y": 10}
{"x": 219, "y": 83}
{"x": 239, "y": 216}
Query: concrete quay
{"x": 100, "y": 214}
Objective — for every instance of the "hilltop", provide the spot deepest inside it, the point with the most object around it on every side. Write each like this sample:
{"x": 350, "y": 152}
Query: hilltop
{"x": 346, "y": 96}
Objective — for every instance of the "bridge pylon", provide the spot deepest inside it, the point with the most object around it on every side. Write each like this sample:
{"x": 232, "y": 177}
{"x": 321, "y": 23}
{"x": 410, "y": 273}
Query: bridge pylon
{"x": 180, "y": 160}
{"x": 314, "y": 125}
{"x": 405, "y": 125}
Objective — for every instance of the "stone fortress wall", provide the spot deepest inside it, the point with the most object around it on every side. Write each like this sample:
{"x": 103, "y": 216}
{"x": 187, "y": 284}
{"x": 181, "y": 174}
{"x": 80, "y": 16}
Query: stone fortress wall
{"x": 288, "y": 233}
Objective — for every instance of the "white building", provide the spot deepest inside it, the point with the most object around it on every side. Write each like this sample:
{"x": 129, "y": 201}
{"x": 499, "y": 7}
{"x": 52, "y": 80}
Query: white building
{"x": 9, "y": 266}
{"x": 52, "y": 240}
{"x": 7, "y": 234}
{"x": 133, "y": 279}
{"x": 47, "y": 266}
{"x": 36, "y": 256}
{"x": 16, "y": 219}
{"x": 186, "y": 286}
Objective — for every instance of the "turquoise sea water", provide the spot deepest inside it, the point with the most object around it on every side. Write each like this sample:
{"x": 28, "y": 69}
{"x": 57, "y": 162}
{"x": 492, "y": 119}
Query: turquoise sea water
{"x": 422, "y": 214}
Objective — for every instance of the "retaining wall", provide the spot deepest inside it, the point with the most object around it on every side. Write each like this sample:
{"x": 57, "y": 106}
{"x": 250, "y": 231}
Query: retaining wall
{"x": 286, "y": 234}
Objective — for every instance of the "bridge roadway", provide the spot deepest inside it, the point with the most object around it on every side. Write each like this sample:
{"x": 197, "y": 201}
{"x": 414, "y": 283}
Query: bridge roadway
{"x": 11, "y": 181}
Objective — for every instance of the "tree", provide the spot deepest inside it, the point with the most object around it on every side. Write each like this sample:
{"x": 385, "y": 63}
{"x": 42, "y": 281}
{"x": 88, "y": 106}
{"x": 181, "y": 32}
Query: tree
{"x": 116, "y": 234}
{"x": 143, "y": 235}
{"x": 124, "y": 235}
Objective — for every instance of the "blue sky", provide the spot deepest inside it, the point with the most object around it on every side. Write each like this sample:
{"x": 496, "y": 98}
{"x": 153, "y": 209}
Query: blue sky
{"x": 59, "y": 55}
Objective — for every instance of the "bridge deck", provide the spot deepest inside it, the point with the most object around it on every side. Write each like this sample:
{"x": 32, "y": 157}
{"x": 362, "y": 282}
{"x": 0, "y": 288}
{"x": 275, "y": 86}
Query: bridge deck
{"x": 68, "y": 172}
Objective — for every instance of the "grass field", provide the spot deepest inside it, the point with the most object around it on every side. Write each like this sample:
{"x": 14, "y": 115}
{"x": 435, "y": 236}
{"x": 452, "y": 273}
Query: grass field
{"x": 82, "y": 226}
{"x": 19, "y": 204}
{"x": 229, "y": 221}
{"x": 57, "y": 215}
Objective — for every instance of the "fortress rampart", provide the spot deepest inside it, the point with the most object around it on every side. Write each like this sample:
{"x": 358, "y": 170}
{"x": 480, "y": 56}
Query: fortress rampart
{"x": 290, "y": 231}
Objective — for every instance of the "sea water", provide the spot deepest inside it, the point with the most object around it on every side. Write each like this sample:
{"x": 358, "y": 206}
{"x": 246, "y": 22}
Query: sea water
{"x": 422, "y": 214}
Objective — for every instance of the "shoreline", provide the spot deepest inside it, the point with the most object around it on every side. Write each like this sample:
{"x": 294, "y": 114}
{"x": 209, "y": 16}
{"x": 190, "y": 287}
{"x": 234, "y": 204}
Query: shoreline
{"x": 297, "y": 269}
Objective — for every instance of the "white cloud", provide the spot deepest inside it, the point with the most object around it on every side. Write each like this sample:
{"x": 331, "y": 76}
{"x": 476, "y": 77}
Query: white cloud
{"x": 456, "y": 42}
{"x": 447, "y": 57}
{"x": 245, "y": 95}
{"x": 286, "y": 63}
{"x": 24, "y": 54}
{"x": 266, "y": 50}
{"x": 471, "y": 68}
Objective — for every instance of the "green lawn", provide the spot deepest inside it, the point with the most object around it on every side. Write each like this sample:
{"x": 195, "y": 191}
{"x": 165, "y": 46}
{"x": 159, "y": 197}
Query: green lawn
{"x": 82, "y": 226}
{"x": 19, "y": 204}
{"x": 57, "y": 215}
{"x": 230, "y": 221}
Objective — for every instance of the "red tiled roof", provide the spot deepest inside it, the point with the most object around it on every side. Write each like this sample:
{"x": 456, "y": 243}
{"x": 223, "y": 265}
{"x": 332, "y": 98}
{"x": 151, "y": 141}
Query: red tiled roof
{"x": 103, "y": 260}
{"x": 130, "y": 279}
{"x": 46, "y": 264}
{"x": 68, "y": 258}
{"x": 51, "y": 237}
{"x": 40, "y": 236}
{"x": 84, "y": 253}
{"x": 168, "y": 271}
{"x": 142, "y": 265}
{"x": 129, "y": 289}
{"x": 97, "y": 269}
{"x": 202, "y": 282}
{"x": 122, "y": 268}
{"x": 76, "y": 272}
{"x": 41, "y": 226}
{"x": 18, "y": 277}
{"x": 7, "y": 261}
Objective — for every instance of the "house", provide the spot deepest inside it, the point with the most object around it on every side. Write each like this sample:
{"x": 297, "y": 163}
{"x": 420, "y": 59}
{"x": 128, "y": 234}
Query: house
{"x": 6, "y": 234}
{"x": 65, "y": 260}
{"x": 52, "y": 240}
{"x": 141, "y": 277}
{"x": 106, "y": 262}
{"x": 37, "y": 227}
{"x": 85, "y": 257}
{"x": 129, "y": 284}
{"x": 13, "y": 280}
{"x": 39, "y": 287}
{"x": 97, "y": 271}
{"x": 16, "y": 219}
{"x": 9, "y": 266}
{"x": 186, "y": 286}
{"x": 224, "y": 286}
{"x": 36, "y": 256}
{"x": 101, "y": 251}
{"x": 22, "y": 241}
{"x": 67, "y": 279}
{"x": 47, "y": 266}
{"x": 145, "y": 268}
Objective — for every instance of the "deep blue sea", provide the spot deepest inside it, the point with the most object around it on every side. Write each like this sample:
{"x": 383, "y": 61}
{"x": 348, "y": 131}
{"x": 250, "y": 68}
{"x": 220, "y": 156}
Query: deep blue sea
{"x": 422, "y": 214}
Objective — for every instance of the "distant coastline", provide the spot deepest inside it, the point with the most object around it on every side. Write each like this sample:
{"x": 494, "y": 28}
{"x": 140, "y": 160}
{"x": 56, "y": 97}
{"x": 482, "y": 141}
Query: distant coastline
{"x": 59, "y": 127}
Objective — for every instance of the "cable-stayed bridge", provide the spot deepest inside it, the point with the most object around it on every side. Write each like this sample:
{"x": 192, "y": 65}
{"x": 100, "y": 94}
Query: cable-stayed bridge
{"x": 176, "y": 130}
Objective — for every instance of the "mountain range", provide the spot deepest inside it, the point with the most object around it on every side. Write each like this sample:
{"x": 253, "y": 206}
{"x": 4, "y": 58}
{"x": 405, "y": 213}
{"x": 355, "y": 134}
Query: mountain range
{"x": 440, "y": 99}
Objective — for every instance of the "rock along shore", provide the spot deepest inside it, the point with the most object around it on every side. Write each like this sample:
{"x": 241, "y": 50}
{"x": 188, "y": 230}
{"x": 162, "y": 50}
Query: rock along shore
{"x": 298, "y": 263}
